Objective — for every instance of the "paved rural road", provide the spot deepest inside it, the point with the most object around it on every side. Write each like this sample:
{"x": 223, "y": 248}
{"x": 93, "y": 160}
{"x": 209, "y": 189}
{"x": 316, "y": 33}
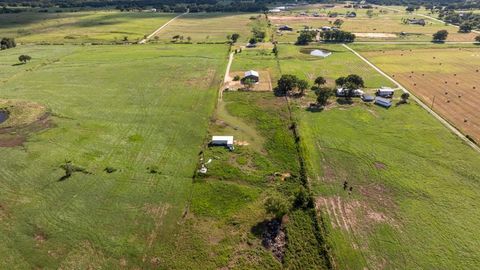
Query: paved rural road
{"x": 443, "y": 121}
{"x": 428, "y": 17}
{"x": 143, "y": 41}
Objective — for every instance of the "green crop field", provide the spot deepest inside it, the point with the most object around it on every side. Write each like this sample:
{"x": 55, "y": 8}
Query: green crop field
{"x": 80, "y": 27}
{"x": 212, "y": 27}
{"x": 142, "y": 110}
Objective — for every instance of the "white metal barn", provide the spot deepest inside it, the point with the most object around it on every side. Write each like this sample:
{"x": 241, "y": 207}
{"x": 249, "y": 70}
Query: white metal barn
{"x": 223, "y": 141}
{"x": 252, "y": 75}
{"x": 385, "y": 92}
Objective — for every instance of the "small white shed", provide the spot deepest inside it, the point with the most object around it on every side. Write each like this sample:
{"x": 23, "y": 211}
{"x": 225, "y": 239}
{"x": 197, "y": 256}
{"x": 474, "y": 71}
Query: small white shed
{"x": 223, "y": 141}
{"x": 252, "y": 75}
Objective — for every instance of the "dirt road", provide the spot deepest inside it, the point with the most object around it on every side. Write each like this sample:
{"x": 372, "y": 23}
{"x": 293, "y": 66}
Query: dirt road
{"x": 143, "y": 41}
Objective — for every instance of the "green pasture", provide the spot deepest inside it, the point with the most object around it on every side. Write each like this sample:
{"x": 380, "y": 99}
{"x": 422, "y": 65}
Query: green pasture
{"x": 298, "y": 61}
{"x": 142, "y": 110}
{"x": 259, "y": 59}
{"x": 80, "y": 27}
{"x": 209, "y": 27}
{"x": 425, "y": 187}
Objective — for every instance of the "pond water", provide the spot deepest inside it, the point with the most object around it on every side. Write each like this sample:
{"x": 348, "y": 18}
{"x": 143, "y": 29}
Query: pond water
{"x": 320, "y": 53}
{"x": 3, "y": 116}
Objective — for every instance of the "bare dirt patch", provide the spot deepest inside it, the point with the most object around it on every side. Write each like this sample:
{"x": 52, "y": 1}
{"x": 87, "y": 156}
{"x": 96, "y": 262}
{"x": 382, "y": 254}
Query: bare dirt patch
{"x": 264, "y": 84}
{"x": 379, "y": 165}
{"x": 24, "y": 118}
{"x": 375, "y": 35}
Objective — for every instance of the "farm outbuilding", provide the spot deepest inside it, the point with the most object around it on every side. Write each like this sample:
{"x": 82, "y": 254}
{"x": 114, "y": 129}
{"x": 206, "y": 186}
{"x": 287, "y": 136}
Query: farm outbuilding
{"x": 384, "y": 102}
{"x": 251, "y": 75}
{"x": 223, "y": 141}
{"x": 285, "y": 28}
{"x": 386, "y": 92}
{"x": 368, "y": 98}
{"x": 416, "y": 21}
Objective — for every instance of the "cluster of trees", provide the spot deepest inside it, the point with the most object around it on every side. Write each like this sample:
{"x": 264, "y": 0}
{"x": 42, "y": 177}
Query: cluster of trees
{"x": 466, "y": 21}
{"x": 7, "y": 43}
{"x": 24, "y": 58}
{"x": 291, "y": 85}
{"x": 160, "y": 5}
{"x": 337, "y": 36}
{"x": 440, "y": 36}
{"x": 305, "y": 37}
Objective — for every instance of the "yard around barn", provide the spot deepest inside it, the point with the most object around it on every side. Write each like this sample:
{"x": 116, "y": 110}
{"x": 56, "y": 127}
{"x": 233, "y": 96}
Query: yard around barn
{"x": 142, "y": 110}
{"x": 80, "y": 27}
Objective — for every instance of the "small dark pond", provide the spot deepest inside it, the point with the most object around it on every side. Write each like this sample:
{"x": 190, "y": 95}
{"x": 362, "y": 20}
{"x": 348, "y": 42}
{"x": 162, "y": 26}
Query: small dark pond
{"x": 4, "y": 116}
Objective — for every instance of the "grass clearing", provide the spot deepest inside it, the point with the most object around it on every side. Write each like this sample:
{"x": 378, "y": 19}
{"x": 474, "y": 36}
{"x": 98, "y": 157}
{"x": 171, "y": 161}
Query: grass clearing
{"x": 209, "y": 27}
{"x": 297, "y": 61}
{"x": 81, "y": 27}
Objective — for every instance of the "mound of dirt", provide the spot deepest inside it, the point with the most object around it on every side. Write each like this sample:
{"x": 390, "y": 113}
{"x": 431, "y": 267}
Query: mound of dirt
{"x": 24, "y": 118}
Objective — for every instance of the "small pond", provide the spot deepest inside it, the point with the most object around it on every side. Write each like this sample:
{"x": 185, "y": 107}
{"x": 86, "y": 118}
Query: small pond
{"x": 3, "y": 116}
{"x": 320, "y": 53}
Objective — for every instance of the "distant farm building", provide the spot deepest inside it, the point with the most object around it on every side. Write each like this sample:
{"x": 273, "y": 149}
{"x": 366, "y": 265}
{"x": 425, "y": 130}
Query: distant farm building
{"x": 326, "y": 28}
{"x": 226, "y": 141}
{"x": 385, "y": 92}
{"x": 352, "y": 15}
{"x": 368, "y": 98}
{"x": 251, "y": 45}
{"x": 416, "y": 21}
{"x": 285, "y": 28}
{"x": 384, "y": 102}
{"x": 251, "y": 75}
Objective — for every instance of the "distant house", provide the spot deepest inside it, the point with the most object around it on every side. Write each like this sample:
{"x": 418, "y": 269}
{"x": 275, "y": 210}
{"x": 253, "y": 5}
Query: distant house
{"x": 384, "y": 102}
{"x": 341, "y": 92}
{"x": 385, "y": 92}
{"x": 303, "y": 14}
{"x": 251, "y": 45}
{"x": 326, "y": 28}
{"x": 226, "y": 141}
{"x": 285, "y": 28}
{"x": 251, "y": 75}
{"x": 416, "y": 21}
{"x": 352, "y": 15}
{"x": 316, "y": 14}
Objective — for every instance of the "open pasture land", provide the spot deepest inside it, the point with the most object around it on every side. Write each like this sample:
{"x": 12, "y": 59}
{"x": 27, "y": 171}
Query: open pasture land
{"x": 80, "y": 27}
{"x": 446, "y": 78}
{"x": 211, "y": 27}
{"x": 413, "y": 202}
{"x": 140, "y": 110}
{"x": 298, "y": 61}
{"x": 384, "y": 25}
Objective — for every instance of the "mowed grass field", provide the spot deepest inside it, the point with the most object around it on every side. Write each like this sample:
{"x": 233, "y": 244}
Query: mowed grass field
{"x": 209, "y": 27}
{"x": 385, "y": 24}
{"x": 413, "y": 202}
{"x": 142, "y": 110}
{"x": 298, "y": 61}
{"x": 80, "y": 27}
{"x": 446, "y": 78}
